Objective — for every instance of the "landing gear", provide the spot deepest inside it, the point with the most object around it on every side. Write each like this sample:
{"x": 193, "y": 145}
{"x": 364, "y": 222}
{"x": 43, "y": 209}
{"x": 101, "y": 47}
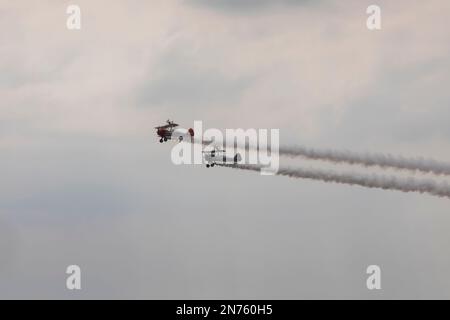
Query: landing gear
{"x": 161, "y": 140}
{"x": 207, "y": 165}
{"x": 212, "y": 165}
{"x": 165, "y": 139}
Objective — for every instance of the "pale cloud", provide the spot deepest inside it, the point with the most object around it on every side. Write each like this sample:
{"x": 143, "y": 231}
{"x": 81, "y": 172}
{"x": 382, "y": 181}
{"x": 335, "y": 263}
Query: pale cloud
{"x": 247, "y": 6}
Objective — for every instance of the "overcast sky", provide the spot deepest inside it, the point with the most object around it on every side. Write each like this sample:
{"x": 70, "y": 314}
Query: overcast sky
{"x": 83, "y": 179}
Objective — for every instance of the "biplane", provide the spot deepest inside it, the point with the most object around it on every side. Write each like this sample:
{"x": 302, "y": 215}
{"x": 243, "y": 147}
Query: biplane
{"x": 170, "y": 131}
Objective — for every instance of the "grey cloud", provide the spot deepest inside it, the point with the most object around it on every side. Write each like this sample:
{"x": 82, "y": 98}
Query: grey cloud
{"x": 404, "y": 105}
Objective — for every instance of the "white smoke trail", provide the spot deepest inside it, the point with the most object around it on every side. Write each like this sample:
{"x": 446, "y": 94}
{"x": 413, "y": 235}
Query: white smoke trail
{"x": 370, "y": 159}
{"x": 370, "y": 181}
